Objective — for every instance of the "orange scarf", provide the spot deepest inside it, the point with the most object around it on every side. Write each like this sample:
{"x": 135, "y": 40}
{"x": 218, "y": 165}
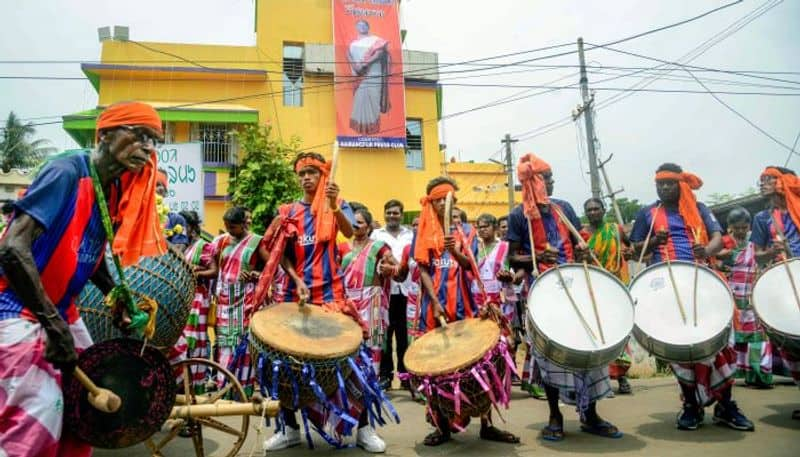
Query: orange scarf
{"x": 687, "y": 205}
{"x": 139, "y": 232}
{"x": 787, "y": 185}
{"x": 534, "y": 189}
{"x": 325, "y": 225}
{"x": 430, "y": 233}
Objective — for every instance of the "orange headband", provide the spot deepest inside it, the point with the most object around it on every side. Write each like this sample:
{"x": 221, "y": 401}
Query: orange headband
{"x": 439, "y": 191}
{"x": 323, "y": 167}
{"x": 534, "y": 189}
{"x": 129, "y": 113}
{"x": 692, "y": 180}
{"x": 430, "y": 233}
{"x": 787, "y": 185}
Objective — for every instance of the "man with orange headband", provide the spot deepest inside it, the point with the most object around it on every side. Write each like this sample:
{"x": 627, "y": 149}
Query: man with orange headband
{"x": 54, "y": 245}
{"x": 445, "y": 268}
{"x": 311, "y": 261}
{"x": 554, "y": 244}
{"x": 685, "y": 229}
{"x": 776, "y": 235}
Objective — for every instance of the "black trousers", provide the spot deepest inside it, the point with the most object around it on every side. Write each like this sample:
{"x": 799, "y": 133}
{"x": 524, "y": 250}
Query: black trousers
{"x": 398, "y": 329}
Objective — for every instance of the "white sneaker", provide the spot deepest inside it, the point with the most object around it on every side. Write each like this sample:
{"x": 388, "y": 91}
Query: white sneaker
{"x": 368, "y": 439}
{"x": 278, "y": 441}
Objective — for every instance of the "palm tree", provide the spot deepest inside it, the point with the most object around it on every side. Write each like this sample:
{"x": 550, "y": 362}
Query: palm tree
{"x": 16, "y": 151}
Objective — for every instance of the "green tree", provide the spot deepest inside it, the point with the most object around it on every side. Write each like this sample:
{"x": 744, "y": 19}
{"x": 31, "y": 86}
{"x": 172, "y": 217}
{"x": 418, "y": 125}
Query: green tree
{"x": 265, "y": 179}
{"x": 627, "y": 207}
{"x": 17, "y": 150}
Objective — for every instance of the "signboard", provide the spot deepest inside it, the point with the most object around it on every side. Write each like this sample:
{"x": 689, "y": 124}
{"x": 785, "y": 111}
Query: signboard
{"x": 369, "y": 85}
{"x": 183, "y": 163}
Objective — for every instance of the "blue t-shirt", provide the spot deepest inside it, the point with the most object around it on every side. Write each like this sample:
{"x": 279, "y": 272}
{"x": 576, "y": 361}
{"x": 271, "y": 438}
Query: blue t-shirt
{"x": 763, "y": 234}
{"x": 680, "y": 241}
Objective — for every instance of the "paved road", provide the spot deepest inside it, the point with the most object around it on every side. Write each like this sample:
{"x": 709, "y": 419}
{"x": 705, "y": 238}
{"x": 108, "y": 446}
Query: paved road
{"x": 647, "y": 418}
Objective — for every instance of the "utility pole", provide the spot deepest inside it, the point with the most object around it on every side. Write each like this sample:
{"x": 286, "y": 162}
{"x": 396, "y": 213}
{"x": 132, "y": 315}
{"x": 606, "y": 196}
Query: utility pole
{"x": 510, "y": 170}
{"x": 587, "y": 115}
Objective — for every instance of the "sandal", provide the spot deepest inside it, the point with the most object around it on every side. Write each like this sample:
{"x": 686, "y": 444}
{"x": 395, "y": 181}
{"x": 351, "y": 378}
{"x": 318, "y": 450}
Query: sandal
{"x": 624, "y": 387}
{"x": 435, "y": 438}
{"x": 602, "y": 428}
{"x": 492, "y": 433}
{"x": 796, "y": 414}
{"x": 554, "y": 431}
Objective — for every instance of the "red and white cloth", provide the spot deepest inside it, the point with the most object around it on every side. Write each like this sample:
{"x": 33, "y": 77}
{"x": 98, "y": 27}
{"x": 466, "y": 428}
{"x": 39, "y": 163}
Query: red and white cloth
{"x": 31, "y": 401}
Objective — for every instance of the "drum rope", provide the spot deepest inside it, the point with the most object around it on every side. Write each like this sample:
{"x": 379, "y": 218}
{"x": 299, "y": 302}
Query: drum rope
{"x": 140, "y": 319}
{"x": 779, "y": 231}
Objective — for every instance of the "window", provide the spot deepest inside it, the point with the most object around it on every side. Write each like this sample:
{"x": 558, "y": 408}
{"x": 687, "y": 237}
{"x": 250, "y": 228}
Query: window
{"x": 292, "y": 75}
{"x": 414, "y": 159}
{"x": 218, "y": 147}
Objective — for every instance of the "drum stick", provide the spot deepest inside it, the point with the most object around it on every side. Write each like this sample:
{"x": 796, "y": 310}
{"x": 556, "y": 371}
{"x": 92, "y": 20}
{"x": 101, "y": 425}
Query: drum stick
{"x": 575, "y": 305}
{"x": 594, "y": 302}
{"x": 647, "y": 238}
{"x": 334, "y": 166}
{"x": 576, "y": 234}
{"x": 780, "y": 233}
{"x": 100, "y": 398}
{"x": 675, "y": 288}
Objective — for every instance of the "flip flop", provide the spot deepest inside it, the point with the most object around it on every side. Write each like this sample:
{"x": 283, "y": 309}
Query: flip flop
{"x": 553, "y": 433}
{"x": 603, "y": 428}
{"x": 492, "y": 433}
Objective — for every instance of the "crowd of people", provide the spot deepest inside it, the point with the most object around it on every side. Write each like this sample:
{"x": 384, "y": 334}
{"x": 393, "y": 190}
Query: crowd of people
{"x": 397, "y": 280}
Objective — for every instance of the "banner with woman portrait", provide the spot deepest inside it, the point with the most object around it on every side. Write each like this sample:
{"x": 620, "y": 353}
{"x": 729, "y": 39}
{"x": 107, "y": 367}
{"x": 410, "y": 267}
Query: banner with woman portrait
{"x": 370, "y": 104}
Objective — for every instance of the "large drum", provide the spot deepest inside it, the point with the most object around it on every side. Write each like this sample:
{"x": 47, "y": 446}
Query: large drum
{"x": 462, "y": 369}
{"x": 144, "y": 382}
{"x": 659, "y": 327}
{"x": 776, "y": 305}
{"x": 306, "y": 353}
{"x": 558, "y": 332}
{"x": 168, "y": 279}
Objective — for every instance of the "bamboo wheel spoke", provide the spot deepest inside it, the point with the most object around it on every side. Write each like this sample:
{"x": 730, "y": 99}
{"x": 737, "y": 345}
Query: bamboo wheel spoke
{"x": 220, "y": 393}
{"x": 197, "y": 441}
{"x": 173, "y": 432}
{"x": 217, "y": 425}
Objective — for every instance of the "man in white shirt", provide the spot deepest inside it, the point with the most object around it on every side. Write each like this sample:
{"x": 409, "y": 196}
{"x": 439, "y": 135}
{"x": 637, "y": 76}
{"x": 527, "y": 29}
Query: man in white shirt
{"x": 397, "y": 237}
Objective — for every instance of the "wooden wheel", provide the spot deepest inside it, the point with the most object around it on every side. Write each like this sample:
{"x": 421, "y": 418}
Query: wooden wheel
{"x": 194, "y": 426}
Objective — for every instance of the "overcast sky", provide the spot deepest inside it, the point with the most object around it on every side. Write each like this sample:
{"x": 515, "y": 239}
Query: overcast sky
{"x": 642, "y": 130}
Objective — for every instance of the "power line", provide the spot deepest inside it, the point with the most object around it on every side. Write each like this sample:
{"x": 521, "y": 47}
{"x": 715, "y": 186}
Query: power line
{"x": 742, "y": 116}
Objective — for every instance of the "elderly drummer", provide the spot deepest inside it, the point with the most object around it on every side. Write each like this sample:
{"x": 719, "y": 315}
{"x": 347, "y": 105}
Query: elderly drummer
{"x": 53, "y": 247}
{"x": 445, "y": 268}
{"x": 776, "y": 233}
{"x": 685, "y": 229}
{"x": 302, "y": 240}
{"x": 549, "y": 218}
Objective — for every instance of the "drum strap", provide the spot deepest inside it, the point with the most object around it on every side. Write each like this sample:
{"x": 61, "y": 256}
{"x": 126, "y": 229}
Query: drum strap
{"x": 139, "y": 318}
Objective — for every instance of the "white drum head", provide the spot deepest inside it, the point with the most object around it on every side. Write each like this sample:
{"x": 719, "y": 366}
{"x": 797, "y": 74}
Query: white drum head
{"x": 773, "y": 298}
{"x": 657, "y": 312}
{"x": 550, "y": 308}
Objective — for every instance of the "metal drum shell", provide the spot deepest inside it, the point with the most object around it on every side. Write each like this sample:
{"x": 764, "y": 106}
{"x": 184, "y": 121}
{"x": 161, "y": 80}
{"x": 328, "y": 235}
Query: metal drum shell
{"x": 570, "y": 358}
{"x": 168, "y": 279}
{"x": 683, "y": 353}
{"x": 781, "y": 337}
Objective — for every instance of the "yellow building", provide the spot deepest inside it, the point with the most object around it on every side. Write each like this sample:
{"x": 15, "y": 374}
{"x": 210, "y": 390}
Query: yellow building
{"x": 286, "y": 79}
{"x": 483, "y": 188}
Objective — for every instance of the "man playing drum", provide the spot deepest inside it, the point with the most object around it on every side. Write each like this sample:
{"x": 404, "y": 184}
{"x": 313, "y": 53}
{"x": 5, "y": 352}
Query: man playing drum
{"x": 307, "y": 229}
{"x": 54, "y": 246}
{"x": 684, "y": 229}
{"x": 776, "y": 232}
{"x": 445, "y": 287}
{"x": 554, "y": 244}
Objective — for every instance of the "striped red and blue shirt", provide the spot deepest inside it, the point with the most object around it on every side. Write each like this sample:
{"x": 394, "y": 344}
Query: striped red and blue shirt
{"x": 451, "y": 283}
{"x": 765, "y": 233}
{"x": 62, "y": 200}
{"x": 319, "y": 264}
{"x": 680, "y": 240}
